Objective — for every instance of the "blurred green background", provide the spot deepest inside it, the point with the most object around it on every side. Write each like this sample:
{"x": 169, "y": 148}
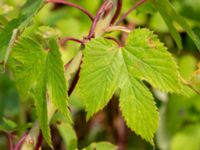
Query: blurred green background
{"x": 179, "y": 127}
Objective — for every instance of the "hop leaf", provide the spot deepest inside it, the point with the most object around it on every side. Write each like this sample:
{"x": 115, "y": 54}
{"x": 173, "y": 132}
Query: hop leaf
{"x": 40, "y": 73}
{"x": 107, "y": 67}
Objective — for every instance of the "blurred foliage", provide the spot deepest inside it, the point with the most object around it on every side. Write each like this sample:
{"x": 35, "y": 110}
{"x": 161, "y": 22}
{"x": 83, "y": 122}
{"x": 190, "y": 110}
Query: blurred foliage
{"x": 179, "y": 116}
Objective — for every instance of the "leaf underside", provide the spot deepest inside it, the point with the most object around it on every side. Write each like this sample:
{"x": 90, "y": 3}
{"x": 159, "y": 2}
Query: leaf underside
{"x": 107, "y": 68}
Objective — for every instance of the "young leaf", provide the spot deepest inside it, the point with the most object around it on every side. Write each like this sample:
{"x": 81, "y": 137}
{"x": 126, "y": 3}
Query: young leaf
{"x": 105, "y": 20}
{"x": 10, "y": 32}
{"x": 40, "y": 73}
{"x": 107, "y": 67}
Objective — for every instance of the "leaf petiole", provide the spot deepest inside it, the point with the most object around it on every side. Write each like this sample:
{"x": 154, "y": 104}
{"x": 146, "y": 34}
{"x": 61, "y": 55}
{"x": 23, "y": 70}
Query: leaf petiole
{"x": 64, "y": 40}
{"x": 72, "y": 5}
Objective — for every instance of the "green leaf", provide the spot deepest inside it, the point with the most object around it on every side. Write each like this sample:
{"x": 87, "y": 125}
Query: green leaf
{"x": 9, "y": 123}
{"x": 107, "y": 67}
{"x": 101, "y": 146}
{"x": 9, "y": 126}
{"x": 69, "y": 135}
{"x": 10, "y": 32}
{"x": 56, "y": 82}
{"x": 169, "y": 13}
{"x": 66, "y": 130}
{"x": 138, "y": 108}
{"x": 148, "y": 59}
{"x": 22, "y": 127}
{"x": 99, "y": 74}
{"x": 40, "y": 72}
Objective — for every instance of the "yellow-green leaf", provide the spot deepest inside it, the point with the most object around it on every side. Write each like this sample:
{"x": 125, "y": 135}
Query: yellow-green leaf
{"x": 107, "y": 67}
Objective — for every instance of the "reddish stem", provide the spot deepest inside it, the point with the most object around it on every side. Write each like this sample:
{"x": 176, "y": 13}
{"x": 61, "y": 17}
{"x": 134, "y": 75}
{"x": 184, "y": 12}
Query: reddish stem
{"x": 72, "y": 5}
{"x": 21, "y": 141}
{"x": 10, "y": 143}
{"x": 96, "y": 19}
{"x": 63, "y": 41}
{"x": 119, "y": 7}
{"x": 130, "y": 10}
{"x": 39, "y": 141}
{"x": 74, "y": 82}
